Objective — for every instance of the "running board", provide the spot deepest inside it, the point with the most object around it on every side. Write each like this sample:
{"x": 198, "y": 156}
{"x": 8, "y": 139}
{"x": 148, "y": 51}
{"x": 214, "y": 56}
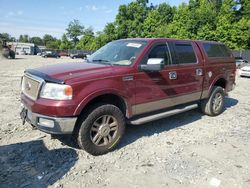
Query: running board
{"x": 161, "y": 115}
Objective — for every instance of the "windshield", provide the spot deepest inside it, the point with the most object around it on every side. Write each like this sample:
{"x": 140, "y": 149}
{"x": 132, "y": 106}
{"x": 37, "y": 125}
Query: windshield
{"x": 122, "y": 52}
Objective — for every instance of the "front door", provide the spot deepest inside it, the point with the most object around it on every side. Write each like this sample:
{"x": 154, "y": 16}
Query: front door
{"x": 179, "y": 82}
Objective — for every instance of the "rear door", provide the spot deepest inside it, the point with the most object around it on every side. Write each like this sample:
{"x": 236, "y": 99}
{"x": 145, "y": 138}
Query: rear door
{"x": 189, "y": 69}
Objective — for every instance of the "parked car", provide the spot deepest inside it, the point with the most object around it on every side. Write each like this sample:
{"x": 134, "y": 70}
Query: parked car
{"x": 131, "y": 81}
{"x": 78, "y": 55}
{"x": 63, "y": 54}
{"x": 240, "y": 62}
{"x": 245, "y": 71}
{"x": 22, "y": 52}
{"x": 50, "y": 54}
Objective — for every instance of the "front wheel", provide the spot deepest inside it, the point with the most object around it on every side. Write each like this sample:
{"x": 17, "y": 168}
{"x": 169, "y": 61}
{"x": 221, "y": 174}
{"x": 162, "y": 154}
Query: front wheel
{"x": 214, "y": 105}
{"x": 101, "y": 129}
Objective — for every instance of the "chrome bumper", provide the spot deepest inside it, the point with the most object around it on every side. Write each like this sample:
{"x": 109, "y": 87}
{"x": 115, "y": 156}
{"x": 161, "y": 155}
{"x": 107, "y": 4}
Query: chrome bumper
{"x": 48, "y": 124}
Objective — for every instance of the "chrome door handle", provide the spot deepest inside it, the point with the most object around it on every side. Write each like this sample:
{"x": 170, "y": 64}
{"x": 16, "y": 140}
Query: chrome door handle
{"x": 199, "y": 72}
{"x": 173, "y": 75}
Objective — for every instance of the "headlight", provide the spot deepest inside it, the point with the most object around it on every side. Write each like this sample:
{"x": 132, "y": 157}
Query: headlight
{"x": 56, "y": 92}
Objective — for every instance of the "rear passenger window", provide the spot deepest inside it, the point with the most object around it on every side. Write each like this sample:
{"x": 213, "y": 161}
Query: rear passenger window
{"x": 216, "y": 50}
{"x": 185, "y": 53}
{"x": 160, "y": 51}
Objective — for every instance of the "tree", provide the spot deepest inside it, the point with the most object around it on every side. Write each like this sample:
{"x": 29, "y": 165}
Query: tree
{"x": 54, "y": 45}
{"x": 161, "y": 15}
{"x": 74, "y": 30}
{"x": 87, "y": 40}
{"x": 36, "y": 40}
{"x": 226, "y": 29}
{"x": 65, "y": 43}
{"x": 4, "y": 37}
{"x": 48, "y": 39}
{"x": 130, "y": 18}
{"x": 24, "y": 38}
{"x": 244, "y": 8}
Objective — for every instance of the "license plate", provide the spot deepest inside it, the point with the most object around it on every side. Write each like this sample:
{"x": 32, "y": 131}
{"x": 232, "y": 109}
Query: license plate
{"x": 23, "y": 115}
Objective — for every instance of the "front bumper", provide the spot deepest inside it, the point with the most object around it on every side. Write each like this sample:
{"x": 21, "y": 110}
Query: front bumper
{"x": 48, "y": 124}
{"x": 244, "y": 73}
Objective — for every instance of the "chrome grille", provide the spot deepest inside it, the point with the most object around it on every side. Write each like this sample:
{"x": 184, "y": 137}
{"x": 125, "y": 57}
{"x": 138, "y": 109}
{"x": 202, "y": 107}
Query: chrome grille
{"x": 246, "y": 70}
{"x": 31, "y": 86}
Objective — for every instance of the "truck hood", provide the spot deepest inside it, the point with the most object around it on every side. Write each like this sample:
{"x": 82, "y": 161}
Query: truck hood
{"x": 63, "y": 72}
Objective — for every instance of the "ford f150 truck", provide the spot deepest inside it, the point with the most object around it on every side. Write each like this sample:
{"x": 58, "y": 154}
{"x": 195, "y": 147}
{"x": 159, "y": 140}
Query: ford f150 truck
{"x": 127, "y": 81}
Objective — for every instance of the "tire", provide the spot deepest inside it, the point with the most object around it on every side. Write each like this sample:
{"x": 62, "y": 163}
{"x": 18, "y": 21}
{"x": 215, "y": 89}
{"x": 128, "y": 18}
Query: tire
{"x": 101, "y": 129}
{"x": 214, "y": 105}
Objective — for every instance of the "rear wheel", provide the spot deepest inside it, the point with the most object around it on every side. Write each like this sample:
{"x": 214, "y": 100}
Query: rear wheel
{"x": 101, "y": 129}
{"x": 214, "y": 105}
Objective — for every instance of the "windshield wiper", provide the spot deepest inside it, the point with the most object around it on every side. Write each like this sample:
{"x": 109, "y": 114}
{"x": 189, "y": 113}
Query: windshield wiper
{"x": 100, "y": 60}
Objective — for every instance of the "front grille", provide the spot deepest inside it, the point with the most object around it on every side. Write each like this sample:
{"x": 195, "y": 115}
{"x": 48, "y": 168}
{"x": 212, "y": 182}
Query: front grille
{"x": 31, "y": 86}
{"x": 245, "y": 70}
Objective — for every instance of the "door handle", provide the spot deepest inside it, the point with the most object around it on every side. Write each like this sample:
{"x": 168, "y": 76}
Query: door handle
{"x": 173, "y": 75}
{"x": 199, "y": 72}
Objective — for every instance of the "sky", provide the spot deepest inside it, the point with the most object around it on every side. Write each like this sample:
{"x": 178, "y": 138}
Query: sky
{"x": 36, "y": 18}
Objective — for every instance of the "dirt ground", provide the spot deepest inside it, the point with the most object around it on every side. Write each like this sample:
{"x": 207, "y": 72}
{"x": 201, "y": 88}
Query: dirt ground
{"x": 185, "y": 150}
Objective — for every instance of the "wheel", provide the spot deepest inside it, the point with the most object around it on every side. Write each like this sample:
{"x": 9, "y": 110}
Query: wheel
{"x": 101, "y": 129}
{"x": 214, "y": 105}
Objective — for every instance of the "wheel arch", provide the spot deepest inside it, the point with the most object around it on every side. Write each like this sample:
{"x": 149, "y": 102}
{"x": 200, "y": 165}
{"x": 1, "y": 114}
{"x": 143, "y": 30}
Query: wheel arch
{"x": 104, "y": 97}
{"x": 219, "y": 81}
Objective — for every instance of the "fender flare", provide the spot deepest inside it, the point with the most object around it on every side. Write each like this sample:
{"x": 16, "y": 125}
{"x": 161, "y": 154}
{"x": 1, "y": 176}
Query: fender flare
{"x": 85, "y": 101}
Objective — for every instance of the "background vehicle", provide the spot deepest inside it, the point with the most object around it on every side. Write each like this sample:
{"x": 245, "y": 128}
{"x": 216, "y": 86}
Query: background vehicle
{"x": 240, "y": 62}
{"x": 23, "y": 52}
{"x": 6, "y": 51}
{"x": 78, "y": 55}
{"x": 127, "y": 81}
{"x": 245, "y": 71}
{"x": 63, "y": 54}
{"x": 50, "y": 54}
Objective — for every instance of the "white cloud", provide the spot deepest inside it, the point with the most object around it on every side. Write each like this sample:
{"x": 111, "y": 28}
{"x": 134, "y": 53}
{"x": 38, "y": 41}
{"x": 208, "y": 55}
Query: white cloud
{"x": 108, "y": 11}
{"x": 13, "y": 14}
{"x": 20, "y": 12}
{"x": 10, "y": 13}
{"x": 15, "y": 30}
{"x": 94, "y": 8}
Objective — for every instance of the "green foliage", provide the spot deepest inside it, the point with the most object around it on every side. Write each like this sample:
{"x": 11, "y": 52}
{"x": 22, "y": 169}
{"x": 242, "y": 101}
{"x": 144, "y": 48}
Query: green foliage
{"x": 65, "y": 43}
{"x": 24, "y": 38}
{"x": 53, "y": 45}
{"x": 74, "y": 30}
{"x": 36, "y": 40}
{"x": 227, "y": 21}
{"x": 48, "y": 39}
{"x": 86, "y": 41}
{"x": 130, "y": 18}
{"x": 4, "y": 36}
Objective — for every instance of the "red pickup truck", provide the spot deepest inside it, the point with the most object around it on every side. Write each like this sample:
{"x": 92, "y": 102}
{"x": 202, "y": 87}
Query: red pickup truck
{"x": 127, "y": 81}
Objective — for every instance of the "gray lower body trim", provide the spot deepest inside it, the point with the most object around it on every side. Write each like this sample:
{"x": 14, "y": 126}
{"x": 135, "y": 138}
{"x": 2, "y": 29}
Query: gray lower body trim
{"x": 161, "y": 115}
{"x": 165, "y": 103}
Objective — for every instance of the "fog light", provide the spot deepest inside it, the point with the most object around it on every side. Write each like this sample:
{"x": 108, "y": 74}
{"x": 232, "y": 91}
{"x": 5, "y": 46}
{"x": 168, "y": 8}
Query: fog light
{"x": 46, "y": 122}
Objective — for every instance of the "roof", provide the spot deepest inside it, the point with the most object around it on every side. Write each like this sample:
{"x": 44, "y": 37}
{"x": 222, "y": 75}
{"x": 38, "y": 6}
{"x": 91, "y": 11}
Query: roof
{"x": 171, "y": 39}
{"x": 21, "y": 44}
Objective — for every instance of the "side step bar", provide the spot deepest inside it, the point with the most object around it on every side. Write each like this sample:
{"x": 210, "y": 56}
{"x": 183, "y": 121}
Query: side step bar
{"x": 161, "y": 115}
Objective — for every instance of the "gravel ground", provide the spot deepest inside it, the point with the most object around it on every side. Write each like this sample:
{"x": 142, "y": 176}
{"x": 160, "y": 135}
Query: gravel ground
{"x": 186, "y": 150}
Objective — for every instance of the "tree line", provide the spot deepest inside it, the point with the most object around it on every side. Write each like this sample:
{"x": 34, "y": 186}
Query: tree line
{"x": 227, "y": 21}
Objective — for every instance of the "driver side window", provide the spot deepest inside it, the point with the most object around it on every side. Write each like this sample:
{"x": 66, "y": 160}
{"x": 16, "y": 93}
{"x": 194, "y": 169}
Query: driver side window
{"x": 160, "y": 51}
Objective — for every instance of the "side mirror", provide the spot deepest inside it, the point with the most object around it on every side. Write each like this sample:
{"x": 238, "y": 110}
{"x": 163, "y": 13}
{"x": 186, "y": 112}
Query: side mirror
{"x": 153, "y": 64}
